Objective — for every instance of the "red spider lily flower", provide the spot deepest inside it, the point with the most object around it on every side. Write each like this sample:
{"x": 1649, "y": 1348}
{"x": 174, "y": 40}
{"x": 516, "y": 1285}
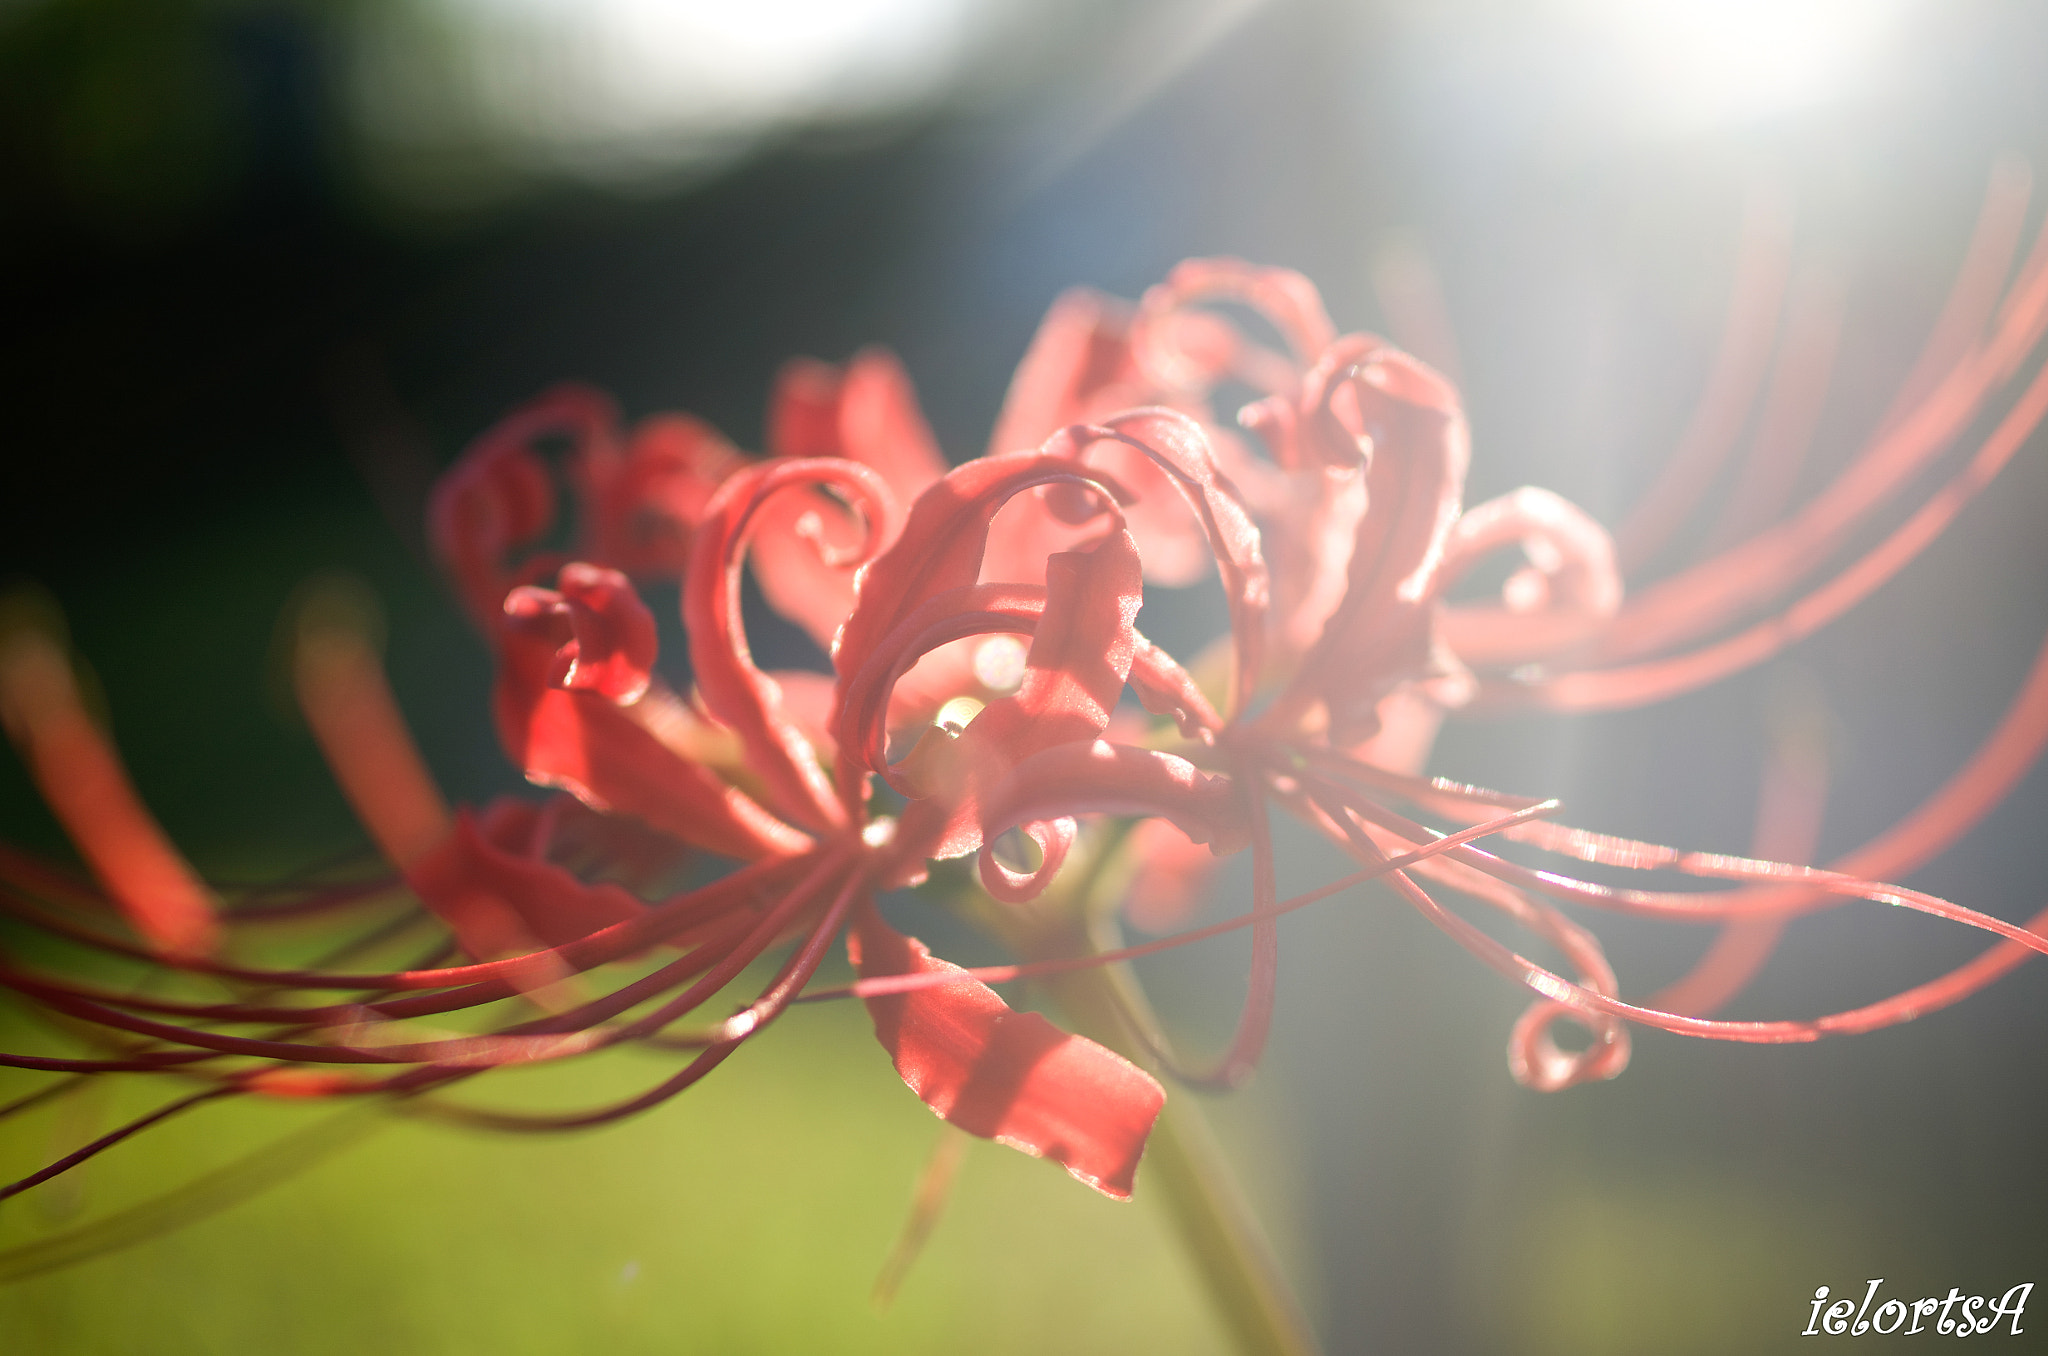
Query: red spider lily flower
{"x": 1356, "y": 651}
{"x": 981, "y": 628}
{"x": 733, "y": 771}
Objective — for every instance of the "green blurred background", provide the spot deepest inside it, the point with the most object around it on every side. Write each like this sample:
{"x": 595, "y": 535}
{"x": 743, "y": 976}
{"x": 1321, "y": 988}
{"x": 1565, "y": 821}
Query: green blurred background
{"x": 268, "y": 265}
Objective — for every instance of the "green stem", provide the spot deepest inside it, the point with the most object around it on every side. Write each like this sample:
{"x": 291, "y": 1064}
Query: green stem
{"x": 1187, "y": 1167}
{"x": 1183, "y": 1162}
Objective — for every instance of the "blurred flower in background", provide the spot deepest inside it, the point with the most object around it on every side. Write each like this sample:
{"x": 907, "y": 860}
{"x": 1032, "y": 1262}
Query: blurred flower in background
{"x": 451, "y": 100}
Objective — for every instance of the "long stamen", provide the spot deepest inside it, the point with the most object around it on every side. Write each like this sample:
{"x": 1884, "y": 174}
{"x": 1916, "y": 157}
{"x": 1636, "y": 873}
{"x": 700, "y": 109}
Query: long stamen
{"x": 773, "y": 1001}
{"x": 883, "y": 986}
{"x": 109, "y": 1140}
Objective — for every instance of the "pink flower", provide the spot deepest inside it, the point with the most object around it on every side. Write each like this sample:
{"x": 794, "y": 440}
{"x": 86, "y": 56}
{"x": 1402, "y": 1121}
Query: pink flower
{"x": 737, "y": 771}
{"x": 1348, "y": 651}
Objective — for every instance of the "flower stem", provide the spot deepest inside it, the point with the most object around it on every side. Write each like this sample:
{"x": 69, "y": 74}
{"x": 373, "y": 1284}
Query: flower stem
{"x": 1185, "y": 1165}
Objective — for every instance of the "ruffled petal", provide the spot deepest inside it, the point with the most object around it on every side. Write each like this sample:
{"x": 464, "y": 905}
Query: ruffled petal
{"x": 943, "y": 542}
{"x": 1005, "y": 1075}
{"x": 1177, "y": 446}
{"x": 1080, "y": 656}
{"x": 611, "y": 644}
{"x": 1382, "y": 634}
{"x": 602, "y": 751}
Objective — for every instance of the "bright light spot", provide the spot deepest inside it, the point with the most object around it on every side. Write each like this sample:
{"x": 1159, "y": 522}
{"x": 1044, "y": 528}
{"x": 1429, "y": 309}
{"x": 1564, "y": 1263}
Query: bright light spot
{"x": 999, "y": 663}
{"x": 617, "y": 89}
{"x": 1701, "y": 62}
{"x": 879, "y": 831}
{"x": 954, "y": 716}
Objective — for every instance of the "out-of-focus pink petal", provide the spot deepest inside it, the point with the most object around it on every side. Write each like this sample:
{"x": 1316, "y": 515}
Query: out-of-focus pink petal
{"x": 1195, "y": 356}
{"x": 1080, "y": 353}
{"x": 868, "y": 413}
{"x": 642, "y": 507}
{"x": 498, "y": 497}
{"x": 733, "y": 689}
{"x": 1004, "y": 1075}
{"x": 1172, "y": 877}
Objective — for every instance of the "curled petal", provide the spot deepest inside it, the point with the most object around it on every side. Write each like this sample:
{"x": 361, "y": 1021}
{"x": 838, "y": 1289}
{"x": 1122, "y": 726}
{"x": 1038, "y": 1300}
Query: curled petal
{"x": 610, "y": 646}
{"x": 1311, "y": 529}
{"x": 1167, "y": 689}
{"x": 498, "y": 498}
{"x": 733, "y": 689}
{"x": 943, "y": 542}
{"x": 864, "y": 703}
{"x": 1080, "y": 656}
{"x": 1177, "y": 445}
{"x": 1080, "y": 370}
{"x": 1570, "y": 587}
{"x": 807, "y": 541}
{"x": 608, "y": 757}
{"x": 1054, "y": 839}
{"x": 1004, "y": 1075}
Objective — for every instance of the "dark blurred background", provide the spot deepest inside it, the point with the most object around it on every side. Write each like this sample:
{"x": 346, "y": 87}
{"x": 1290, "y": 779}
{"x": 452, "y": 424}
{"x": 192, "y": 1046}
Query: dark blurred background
{"x": 268, "y": 265}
